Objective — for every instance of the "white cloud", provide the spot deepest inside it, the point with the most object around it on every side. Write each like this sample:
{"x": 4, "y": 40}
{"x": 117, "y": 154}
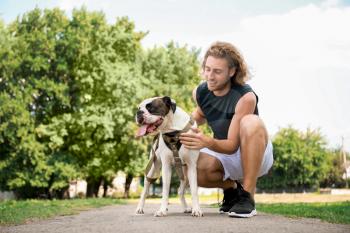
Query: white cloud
{"x": 301, "y": 63}
{"x": 69, "y": 5}
{"x": 330, "y": 3}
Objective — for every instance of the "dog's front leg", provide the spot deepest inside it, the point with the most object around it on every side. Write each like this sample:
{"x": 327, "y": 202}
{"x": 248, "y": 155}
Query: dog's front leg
{"x": 166, "y": 178}
{"x": 139, "y": 209}
{"x": 192, "y": 178}
{"x": 181, "y": 192}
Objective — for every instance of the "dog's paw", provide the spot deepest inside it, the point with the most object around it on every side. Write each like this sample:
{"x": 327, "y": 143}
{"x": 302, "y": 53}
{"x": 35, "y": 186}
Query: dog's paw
{"x": 160, "y": 213}
{"x": 188, "y": 210}
{"x": 197, "y": 213}
{"x": 139, "y": 211}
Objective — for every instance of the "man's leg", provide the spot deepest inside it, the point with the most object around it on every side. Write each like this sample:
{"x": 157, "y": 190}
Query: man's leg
{"x": 253, "y": 141}
{"x": 210, "y": 173}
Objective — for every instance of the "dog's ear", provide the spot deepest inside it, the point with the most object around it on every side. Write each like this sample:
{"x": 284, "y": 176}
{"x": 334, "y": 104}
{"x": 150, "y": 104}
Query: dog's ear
{"x": 169, "y": 103}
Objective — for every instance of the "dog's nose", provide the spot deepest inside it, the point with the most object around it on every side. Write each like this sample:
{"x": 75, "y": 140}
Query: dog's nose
{"x": 139, "y": 116}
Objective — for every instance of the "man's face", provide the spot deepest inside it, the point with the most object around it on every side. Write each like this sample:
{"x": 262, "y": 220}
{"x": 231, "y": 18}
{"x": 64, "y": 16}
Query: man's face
{"x": 217, "y": 73}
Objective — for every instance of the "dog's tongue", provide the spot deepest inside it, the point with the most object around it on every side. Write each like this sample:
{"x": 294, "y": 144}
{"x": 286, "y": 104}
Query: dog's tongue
{"x": 142, "y": 131}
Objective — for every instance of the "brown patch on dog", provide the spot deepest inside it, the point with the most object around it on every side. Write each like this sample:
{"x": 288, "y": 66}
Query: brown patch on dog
{"x": 158, "y": 107}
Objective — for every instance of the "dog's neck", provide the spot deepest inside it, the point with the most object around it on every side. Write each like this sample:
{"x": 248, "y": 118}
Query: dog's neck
{"x": 178, "y": 121}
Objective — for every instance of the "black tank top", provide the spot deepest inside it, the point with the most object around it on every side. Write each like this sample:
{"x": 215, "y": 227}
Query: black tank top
{"x": 219, "y": 110}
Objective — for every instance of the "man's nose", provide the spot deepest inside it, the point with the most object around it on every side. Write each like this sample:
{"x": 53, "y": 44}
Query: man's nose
{"x": 209, "y": 74}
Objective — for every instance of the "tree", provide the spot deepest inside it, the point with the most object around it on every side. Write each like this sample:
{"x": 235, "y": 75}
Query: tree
{"x": 334, "y": 177}
{"x": 106, "y": 80}
{"x": 69, "y": 88}
{"x": 33, "y": 89}
{"x": 300, "y": 160}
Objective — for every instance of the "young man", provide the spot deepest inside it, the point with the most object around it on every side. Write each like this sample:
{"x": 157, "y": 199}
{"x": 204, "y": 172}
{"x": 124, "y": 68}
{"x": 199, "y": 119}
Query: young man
{"x": 240, "y": 148}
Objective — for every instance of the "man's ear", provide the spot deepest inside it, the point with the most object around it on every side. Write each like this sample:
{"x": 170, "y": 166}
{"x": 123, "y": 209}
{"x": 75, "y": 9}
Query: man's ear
{"x": 169, "y": 103}
{"x": 232, "y": 71}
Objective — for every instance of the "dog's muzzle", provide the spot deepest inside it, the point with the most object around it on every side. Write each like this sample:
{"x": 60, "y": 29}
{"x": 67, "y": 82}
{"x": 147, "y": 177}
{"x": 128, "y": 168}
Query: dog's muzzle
{"x": 139, "y": 116}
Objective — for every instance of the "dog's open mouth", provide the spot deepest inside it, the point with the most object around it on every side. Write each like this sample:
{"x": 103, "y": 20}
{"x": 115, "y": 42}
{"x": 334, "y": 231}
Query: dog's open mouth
{"x": 149, "y": 128}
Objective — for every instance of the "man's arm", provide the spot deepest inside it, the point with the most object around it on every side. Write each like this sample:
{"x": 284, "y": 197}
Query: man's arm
{"x": 246, "y": 105}
{"x": 197, "y": 140}
{"x": 197, "y": 114}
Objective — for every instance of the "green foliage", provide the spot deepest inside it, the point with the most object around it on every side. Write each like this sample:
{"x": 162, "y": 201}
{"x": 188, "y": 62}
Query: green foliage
{"x": 336, "y": 170}
{"x": 172, "y": 71}
{"x": 300, "y": 160}
{"x": 33, "y": 89}
{"x": 69, "y": 88}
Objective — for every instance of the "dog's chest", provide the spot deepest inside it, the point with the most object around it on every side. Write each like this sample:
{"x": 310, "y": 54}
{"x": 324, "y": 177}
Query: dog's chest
{"x": 170, "y": 149}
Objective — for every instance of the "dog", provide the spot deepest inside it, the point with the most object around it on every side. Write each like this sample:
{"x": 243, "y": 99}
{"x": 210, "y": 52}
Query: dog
{"x": 160, "y": 116}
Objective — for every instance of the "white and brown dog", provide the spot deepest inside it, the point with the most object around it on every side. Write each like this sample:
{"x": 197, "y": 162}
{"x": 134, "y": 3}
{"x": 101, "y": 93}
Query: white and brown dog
{"x": 160, "y": 115}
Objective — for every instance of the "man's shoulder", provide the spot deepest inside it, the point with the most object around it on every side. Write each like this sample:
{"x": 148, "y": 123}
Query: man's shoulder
{"x": 201, "y": 91}
{"x": 242, "y": 89}
{"x": 202, "y": 87}
{"x": 203, "y": 84}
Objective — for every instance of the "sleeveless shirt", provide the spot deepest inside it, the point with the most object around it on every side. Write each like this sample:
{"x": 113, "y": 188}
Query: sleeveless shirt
{"x": 219, "y": 110}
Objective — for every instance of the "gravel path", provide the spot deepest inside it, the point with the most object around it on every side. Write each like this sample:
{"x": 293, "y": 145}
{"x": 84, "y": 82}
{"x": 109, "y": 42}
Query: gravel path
{"x": 121, "y": 219}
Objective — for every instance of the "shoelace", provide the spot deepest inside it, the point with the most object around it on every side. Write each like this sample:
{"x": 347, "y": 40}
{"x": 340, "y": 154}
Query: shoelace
{"x": 221, "y": 203}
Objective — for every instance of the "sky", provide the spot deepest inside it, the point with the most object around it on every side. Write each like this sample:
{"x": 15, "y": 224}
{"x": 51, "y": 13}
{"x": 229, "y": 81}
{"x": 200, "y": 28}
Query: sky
{"x": 298, "y": 51}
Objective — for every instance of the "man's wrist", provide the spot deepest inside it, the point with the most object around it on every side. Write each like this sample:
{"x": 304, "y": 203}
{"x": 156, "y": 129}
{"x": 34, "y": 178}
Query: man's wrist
{"x": 210, "y": 142}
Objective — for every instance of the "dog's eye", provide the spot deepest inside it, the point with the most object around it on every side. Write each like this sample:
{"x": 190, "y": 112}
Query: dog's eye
{"x": 149, "y": 107}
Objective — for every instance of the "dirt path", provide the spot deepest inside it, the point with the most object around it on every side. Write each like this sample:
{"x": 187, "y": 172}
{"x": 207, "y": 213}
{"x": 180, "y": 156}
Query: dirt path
{"x": 121, "y": 219}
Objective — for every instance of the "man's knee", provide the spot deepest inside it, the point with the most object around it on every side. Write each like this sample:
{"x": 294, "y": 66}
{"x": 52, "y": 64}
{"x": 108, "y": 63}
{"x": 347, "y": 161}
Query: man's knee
{"x": 252, "y": 125}
{"x": 208, "y": 163}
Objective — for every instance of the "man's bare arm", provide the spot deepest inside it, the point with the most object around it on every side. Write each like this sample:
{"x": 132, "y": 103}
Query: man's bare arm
{"x": 246, "y": 105}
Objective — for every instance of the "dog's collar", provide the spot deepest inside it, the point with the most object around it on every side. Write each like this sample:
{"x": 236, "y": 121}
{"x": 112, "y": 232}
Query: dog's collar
{"x": 172, "y": 138}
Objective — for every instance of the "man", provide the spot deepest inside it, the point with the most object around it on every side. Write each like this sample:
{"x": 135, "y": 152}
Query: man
{"x": 240, "y": 148}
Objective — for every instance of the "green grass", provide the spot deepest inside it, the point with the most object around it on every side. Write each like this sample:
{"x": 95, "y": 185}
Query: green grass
{"x": 334, "y": 212}
{"x": 19, "y": 212}
{"x": 338, "y": 212}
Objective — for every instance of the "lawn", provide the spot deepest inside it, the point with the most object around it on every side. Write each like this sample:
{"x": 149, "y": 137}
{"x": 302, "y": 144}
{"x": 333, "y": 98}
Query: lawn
{"x": 336, "y": 212}
{"x": 19, "y": 212}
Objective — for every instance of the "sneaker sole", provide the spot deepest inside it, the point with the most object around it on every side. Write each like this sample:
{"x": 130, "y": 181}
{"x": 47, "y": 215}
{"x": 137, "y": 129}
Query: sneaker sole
{"x": 251, "y": 214}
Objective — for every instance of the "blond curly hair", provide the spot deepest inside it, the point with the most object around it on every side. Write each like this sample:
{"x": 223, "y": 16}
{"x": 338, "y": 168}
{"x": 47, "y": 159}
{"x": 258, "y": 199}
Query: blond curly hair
{"x": 233, "y": 57}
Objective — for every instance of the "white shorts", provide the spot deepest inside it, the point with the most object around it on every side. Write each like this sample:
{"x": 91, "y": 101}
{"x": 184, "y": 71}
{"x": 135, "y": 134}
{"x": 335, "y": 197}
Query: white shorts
{"x": 233, "y": 166}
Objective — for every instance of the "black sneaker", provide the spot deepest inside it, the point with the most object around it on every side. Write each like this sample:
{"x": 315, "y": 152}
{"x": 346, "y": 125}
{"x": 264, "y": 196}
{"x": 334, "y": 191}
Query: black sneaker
{"x": 244, "y": 207}
{"x": 230, "y": 198}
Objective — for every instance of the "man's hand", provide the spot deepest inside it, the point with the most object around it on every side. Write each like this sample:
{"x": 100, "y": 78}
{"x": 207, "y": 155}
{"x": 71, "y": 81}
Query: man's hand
{"x": 196, "y": 140}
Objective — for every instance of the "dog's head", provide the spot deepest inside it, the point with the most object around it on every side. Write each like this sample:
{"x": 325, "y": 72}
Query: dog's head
{"x": 154, "y": 114}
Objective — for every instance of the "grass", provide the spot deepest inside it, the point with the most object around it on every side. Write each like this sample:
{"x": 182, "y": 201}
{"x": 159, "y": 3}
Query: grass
{"x": 337, "y": 212}
{"x": 19, "y": 212}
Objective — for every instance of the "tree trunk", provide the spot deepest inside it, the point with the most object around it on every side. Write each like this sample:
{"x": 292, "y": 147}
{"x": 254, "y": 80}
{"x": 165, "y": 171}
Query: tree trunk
{"x": 128, "y": 181}
{"x": 93, "y": 186}
{"x": 105, "y": 187}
